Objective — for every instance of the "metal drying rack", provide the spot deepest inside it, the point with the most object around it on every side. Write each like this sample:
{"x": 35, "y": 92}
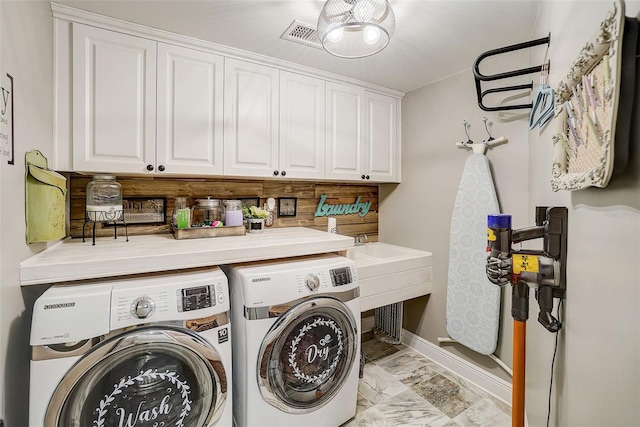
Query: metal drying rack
{"x": 479, "y": 77}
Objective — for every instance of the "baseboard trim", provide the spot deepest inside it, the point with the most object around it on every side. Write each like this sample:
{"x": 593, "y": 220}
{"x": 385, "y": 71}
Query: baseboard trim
{"x": 470, "y": 372}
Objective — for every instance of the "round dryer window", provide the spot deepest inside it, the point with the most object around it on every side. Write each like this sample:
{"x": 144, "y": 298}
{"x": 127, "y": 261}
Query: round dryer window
{"x": 307, "y": 355}
{"x": 144, "y": 377}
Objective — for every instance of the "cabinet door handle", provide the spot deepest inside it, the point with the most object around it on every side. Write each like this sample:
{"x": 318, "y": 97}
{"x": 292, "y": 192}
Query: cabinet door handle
{"x": 283, "y": 173}
{"x": 149, "y": 168}
{"x": 275, "y": 173}
{"x": 367, "y": 177}
{"x": 363, "y": 177}
{"x": 161, "y": 169}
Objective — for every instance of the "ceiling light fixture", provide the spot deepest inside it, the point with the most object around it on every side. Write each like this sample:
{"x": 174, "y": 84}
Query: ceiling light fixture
{"x": 355, "y": 28}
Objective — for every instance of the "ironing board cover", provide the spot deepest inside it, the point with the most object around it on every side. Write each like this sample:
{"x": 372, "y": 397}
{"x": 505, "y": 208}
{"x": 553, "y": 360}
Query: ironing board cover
{"x": 473, "y": 303}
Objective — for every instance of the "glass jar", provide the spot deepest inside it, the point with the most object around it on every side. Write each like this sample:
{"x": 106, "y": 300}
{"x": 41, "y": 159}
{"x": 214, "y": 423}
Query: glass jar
{"x": 233, "y": 213}
{"x": 104, "y": 199}
{"x": 207, "y": 212}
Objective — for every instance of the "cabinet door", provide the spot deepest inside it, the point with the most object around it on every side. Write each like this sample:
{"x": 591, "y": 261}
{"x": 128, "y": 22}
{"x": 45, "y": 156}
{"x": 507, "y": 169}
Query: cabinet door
{"x": 345, "y": 114}
{"x": 302, "y": 126}
{"x": 190, "y": 117}
{"x": 114, "y": 101}
{"x": 381, "y": 138}
{"x": 251, "y": 119}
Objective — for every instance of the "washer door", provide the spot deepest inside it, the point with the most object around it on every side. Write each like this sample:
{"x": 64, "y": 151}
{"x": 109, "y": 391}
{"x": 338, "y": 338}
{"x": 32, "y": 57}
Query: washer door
{"x": 307, "y": 355}
{"x": 150, "y": 376}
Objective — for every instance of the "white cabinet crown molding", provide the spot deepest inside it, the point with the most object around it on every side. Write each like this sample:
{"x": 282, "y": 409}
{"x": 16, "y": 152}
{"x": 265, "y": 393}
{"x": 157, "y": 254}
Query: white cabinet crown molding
{"x": 72, "y": 14}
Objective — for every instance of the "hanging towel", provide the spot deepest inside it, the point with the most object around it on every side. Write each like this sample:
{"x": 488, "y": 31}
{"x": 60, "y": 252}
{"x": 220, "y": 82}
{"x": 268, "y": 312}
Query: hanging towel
{"x": 473, "y": 303}
{"x": 44, "y": 199}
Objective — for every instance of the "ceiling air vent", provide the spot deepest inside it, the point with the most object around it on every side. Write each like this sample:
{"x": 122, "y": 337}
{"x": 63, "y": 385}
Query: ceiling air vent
{"x": 302, "y": 33}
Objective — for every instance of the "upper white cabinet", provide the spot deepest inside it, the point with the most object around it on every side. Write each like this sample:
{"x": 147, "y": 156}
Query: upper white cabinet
{"x": 114, "y": 101}
{"x": 190, "y": 114}
{"x": 302, "y": 126}
{"x": 251, "y": 119}
{"x": 134, "y": 100}
{"x": 345, "y": 139}
{"x": 362, "y": 135}
{"x": 121, "y": 126}
{"x": 381, "y": 136}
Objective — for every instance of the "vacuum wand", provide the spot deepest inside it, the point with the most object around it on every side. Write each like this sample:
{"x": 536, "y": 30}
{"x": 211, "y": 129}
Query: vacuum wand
{"x": 545, "y": 270}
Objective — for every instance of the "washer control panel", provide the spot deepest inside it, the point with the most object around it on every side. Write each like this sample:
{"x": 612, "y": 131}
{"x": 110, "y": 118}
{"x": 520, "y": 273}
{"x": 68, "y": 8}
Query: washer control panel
{"x": 173, "y": 297}
{"x": 341, "y": 276}
{"x": 197, "y": 298}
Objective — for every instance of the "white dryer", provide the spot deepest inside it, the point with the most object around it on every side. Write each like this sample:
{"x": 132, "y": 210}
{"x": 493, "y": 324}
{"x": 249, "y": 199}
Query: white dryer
{"x": 153, "y": 350}
{"x": 296, "y": 326}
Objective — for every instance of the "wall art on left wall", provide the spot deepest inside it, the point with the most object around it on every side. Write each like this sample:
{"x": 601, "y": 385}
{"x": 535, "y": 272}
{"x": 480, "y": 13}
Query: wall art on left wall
{"x": 6, "y": 119}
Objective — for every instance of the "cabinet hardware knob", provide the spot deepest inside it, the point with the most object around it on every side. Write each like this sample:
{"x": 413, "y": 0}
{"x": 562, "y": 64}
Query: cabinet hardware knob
{"x": 362, "y": 177}
{"x": 161, "y": 169}
{"x": 149, "y": 168}
{"x": 283, "y": 173}
{"x": 275, "y": 173}
{"x": 367, "y": 176}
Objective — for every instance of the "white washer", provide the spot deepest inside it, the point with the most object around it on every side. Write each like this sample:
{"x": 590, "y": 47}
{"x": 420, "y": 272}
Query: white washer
{"x": 147, "y": 351}
{"x": 296, "y": 353}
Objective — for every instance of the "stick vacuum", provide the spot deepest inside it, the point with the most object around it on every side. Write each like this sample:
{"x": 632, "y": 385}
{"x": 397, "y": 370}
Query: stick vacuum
{"x": 543, "y": 270}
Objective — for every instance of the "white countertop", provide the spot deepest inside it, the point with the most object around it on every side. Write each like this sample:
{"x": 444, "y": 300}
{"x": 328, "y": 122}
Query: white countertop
{"x": 71, "y": 259}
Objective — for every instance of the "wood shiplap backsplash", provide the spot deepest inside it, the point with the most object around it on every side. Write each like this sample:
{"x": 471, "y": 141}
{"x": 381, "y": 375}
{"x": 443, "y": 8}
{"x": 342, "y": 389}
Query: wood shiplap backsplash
{"x": 307, "y": 193}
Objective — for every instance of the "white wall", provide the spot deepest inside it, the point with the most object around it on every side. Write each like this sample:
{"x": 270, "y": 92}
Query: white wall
{"x": 26, "y": 51}
{"x": 597, "y": 377}
{"x": 417, "y": 213}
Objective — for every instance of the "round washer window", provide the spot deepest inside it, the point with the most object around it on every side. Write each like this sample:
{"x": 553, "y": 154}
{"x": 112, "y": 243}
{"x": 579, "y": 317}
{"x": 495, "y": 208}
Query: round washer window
{"x": 310, "y": 356}
{"x": 149, "y": 383}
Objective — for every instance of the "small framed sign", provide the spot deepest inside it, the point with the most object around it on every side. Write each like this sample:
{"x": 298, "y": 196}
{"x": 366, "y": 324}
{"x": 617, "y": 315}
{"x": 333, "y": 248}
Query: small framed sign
{"x": 141, "y": 210}
{"x": 287, "y": 206}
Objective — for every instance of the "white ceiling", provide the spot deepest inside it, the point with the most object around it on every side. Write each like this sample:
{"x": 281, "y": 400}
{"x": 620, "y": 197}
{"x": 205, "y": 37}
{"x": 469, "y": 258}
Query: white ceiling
{"x": 433, "y": 39}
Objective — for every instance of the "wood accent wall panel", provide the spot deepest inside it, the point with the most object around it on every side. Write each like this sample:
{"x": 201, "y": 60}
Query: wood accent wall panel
{"x": 307, "y": 193}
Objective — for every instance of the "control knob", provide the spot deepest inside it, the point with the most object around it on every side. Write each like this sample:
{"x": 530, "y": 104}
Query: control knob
{"x": 143, "y": 307}
{"x": 312, "y": 281}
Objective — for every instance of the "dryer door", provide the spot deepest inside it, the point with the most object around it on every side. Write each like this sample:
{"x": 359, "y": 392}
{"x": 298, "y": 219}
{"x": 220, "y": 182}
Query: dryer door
{"x": 307, "y": 355}
{"x": 150, "y": 376}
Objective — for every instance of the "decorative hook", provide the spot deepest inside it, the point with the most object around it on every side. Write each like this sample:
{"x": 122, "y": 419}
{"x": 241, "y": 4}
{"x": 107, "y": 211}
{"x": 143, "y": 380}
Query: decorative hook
{"x": 484, "y": 119}
{"x": 468, "y": 141}
{"x": 481, "y": 146}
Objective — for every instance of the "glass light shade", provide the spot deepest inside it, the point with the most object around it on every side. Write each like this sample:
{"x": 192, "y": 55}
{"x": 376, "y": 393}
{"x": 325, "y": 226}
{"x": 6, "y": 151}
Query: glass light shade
{"x": 335, "y": 35}
{"x": 371, "y": 34}
{"x": 355, "y": 28}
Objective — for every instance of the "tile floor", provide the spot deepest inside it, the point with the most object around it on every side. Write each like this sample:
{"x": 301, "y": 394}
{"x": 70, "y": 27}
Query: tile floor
{"x": 401, "y": 387}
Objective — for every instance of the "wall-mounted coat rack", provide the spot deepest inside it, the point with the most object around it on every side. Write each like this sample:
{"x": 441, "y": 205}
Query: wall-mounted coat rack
{"x": 479, "y": 77}
{"x": 480, "y": 147}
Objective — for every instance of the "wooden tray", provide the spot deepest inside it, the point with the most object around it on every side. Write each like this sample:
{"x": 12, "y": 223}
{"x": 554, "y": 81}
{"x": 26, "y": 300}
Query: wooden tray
{"x": 202, "y": 232}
